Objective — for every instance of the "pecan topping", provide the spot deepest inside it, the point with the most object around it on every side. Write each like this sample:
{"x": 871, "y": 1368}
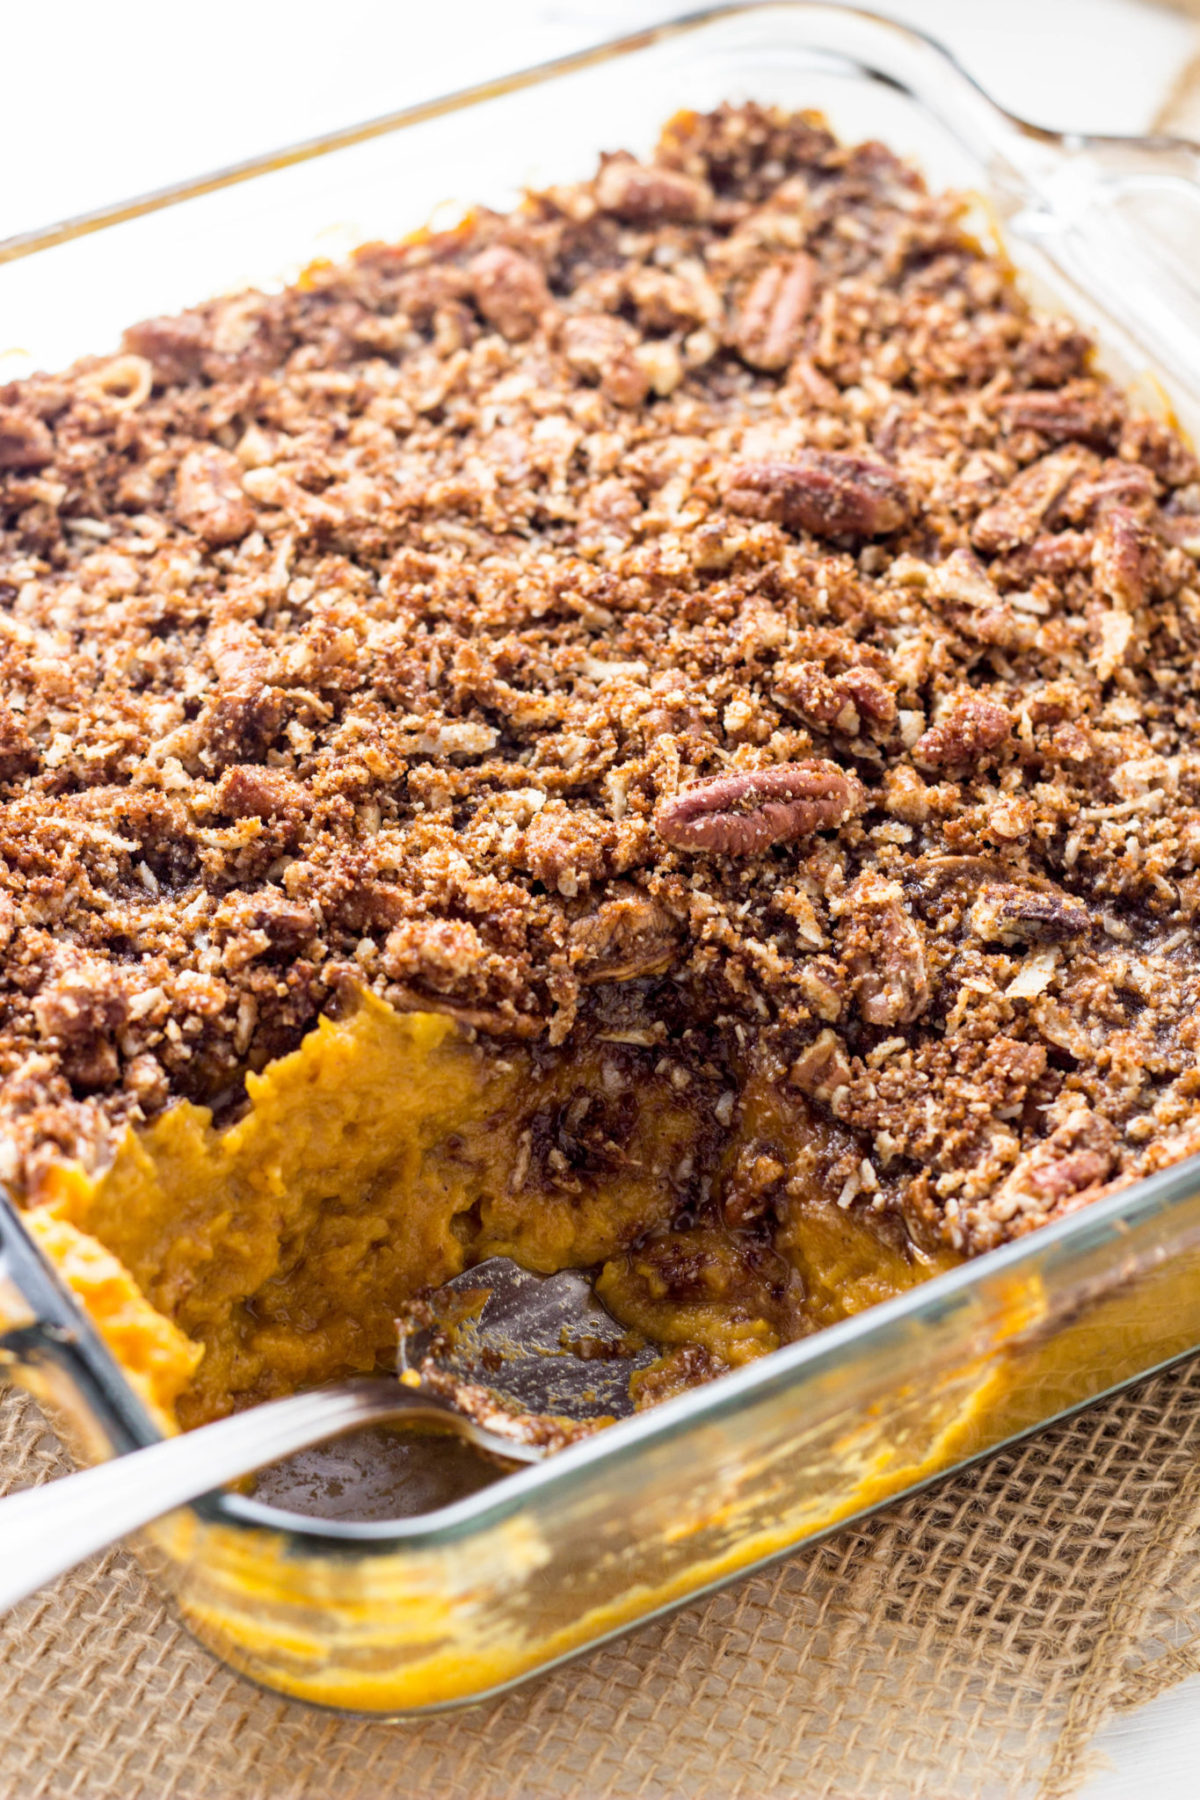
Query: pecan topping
{"x": 968, "y": 731}
{"x": 739, "y": 815}
{"x": 884, "y": 952}
{"x": 510, "y": 291}
{"x": 827, "y": 492}
{"x": 1042, "y": 915}
{"x": 209, "y": 497}
{"x": 774, "y": 312}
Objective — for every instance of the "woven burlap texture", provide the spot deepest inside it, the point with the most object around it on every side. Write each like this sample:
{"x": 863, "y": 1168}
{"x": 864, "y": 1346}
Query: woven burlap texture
{"x": 966, "y": 1643}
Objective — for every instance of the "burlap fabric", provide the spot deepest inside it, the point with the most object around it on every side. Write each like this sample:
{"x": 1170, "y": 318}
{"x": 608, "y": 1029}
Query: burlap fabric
{"x": 964, "y": 1645}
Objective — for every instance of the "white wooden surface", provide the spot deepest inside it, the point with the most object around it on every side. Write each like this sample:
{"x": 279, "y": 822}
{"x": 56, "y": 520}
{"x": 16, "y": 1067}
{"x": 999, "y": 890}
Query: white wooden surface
{"x": 101, "y": 102}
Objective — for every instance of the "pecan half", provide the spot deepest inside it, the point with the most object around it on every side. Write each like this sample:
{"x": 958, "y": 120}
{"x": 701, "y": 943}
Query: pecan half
{"x": 1062, "y": 414}
{"x": 209, "y": 498}
{"x": 770, "y": 327}
{"x": 739, "y": 815}
{"x": 827, "y": 492}
{"x": 884, "y": 952}
{"x": 1047, "y": 915}
{"x": 510, "y": 291}
{"x": 971, "y": 728}
{"x": 644, "y": 195}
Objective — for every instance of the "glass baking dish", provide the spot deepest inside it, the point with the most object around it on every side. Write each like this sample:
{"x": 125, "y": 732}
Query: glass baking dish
{"x": 449, "y": 1606}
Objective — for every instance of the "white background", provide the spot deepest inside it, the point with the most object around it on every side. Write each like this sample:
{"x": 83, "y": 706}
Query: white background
{"x": 103, "y": 101}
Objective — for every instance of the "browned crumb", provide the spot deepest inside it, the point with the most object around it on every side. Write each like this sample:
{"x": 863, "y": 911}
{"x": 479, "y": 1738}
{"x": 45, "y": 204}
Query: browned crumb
{"x": 376, "y": 632}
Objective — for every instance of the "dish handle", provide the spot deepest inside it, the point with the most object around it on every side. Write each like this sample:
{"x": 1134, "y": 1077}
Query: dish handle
{"x": 1120, "y": 219}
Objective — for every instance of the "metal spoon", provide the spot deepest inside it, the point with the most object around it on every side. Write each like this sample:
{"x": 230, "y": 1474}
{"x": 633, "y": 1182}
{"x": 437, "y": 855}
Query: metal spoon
{"x": 527, "y": 1345}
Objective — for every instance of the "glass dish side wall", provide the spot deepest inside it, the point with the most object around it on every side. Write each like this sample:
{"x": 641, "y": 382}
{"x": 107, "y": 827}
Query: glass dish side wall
{"x": 661, "y": 1508}
{"x": 451, "y": 1606}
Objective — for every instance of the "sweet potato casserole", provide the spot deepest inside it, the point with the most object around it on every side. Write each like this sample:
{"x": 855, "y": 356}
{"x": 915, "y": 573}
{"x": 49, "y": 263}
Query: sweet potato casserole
{"x": 654, "y": 733}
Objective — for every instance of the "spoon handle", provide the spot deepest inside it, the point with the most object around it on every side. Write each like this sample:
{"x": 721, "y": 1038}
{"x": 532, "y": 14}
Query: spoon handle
{"x": 48, "y": 1529}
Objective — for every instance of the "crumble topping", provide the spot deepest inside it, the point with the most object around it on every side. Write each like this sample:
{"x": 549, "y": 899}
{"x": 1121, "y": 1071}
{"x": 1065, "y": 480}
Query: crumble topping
{"x": 708, "y": 606}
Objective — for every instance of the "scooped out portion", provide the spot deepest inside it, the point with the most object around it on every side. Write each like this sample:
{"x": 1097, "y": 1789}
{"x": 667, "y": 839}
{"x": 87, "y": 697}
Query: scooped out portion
{"x": 390, "y": 1151}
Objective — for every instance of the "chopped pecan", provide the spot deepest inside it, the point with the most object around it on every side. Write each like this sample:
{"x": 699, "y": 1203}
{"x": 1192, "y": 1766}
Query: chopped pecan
{"x": 80, "y": 1010}
{"x": 445, "y": 966}
{"x": 770, "y": 327}
{"x": 646, "y": 195}
{"x": 243, "y": 918}
{"x": 670, "y": 300}
{"x": 122, "y": 383}
{"x": 962, "y": 580}
{"x": 25, "y": 443}
{"x": 601, "y": 349}
{"x": 1064, "y": 414}
{"x": 17, "y": 750}
{"x": 1055, "y": 553}
{"x": 884, "y": 952}
{"x": 510, "y": 291}
{"x": 250, "y": 790}
{"x": 1115, "y": 484}
{"x": 838, "y": 702}
{"x": 627, "y": 937}
{"x": 1055, "y": 1175}
{"x": 565, "y": 850}
{"x": 174, "y": 347}
{"x": 969, "y": 730}
{"x": 874, "y": 699}
{"x": 741, "y": 814}
{"x": 822, "y": 1067}
{"x": 1124, "y": 558}
{"x": 827, "y": 492}
{"x": 1016, "y": 517}
{"x": 209, "y": 498}
{"x": 752, "y": 1184}
{"x": 1155, "y": 445}
{"x": 1041, "y": 915}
